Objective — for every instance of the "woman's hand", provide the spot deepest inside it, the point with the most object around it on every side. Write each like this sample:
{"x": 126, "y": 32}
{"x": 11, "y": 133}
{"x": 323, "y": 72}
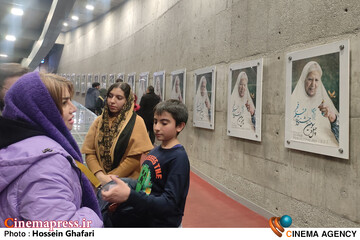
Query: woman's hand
{"x": 103, "y": 178}
{"x": 326, "y": 112}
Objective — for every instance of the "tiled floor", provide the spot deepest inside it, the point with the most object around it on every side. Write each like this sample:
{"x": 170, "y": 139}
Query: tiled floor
{"x": 206, "y": 206}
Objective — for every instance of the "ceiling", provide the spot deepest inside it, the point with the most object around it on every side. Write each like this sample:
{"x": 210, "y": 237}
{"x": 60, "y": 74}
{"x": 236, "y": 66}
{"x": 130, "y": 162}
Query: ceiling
{"x": 38, "y": 28}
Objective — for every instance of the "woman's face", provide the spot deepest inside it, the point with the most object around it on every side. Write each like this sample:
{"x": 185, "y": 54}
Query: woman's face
{"x": 177, "y": 84}
{"x": 203, "y": 88}
{"x": 312, "y": 82}
{"x": 68, "y": 109}
{"x": 242, "y": 87}
{"x": 116, "y": 100}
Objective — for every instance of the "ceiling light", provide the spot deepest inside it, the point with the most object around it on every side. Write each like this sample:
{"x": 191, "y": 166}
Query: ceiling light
{"x": 17, "y": 11}
{"x": 89, "y": 7}
{"x": 3, "y": 55}
{"x": 75, "y": 18}
{"x": 65, "y": 24}
{"x": 10, "y": 38}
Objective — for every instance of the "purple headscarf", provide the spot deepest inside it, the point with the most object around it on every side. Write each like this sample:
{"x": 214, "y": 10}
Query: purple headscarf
{"x": 28, "y": 100}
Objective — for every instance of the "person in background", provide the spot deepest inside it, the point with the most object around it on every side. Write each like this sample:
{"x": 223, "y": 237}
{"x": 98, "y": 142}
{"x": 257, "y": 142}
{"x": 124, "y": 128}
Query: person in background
{"x": 100, "y": 102}
{"x": 117, "y": 139}
{"x": 9, "y": 74}
{"x": 39, "y": 177}
{"x": 147, "y": 104}
{"x": 136, "y": 106}
{"x": 91, "y": 96}
{"x": 159, "y": 196}
{"x": 119, "y": 80}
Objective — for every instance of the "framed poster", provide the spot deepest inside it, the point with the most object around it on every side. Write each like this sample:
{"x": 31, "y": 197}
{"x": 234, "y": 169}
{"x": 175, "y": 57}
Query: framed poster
{"x": 120, "y": 77}
{"x": 204, "y": 97}
{"x": 143, "y": 84}
{"x": 131, "y": 81}
{"x": 245, "y": 100}
{"x": 159, "y": 84}
{"x": 317, "y": 100}
{"x": 89, "y": 81}
{"x": 68, "y": 77}
{"x": 111, "y": 79}
{"x": 96, "y": 78}
{"x": 178, "y": 85}
{"x": 83, "y": 83}
{"x": 73, "y": 80}
{"x": 103, "y": 82}
{"x": 77, "y": 83}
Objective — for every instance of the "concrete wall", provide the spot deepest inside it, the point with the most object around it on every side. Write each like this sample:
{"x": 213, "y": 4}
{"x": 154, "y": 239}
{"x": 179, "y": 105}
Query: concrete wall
{"x": 154, "y": 35}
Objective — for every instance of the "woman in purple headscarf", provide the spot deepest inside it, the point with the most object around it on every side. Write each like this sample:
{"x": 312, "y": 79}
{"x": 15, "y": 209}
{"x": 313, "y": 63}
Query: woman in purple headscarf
{"x": 39, "y": 178}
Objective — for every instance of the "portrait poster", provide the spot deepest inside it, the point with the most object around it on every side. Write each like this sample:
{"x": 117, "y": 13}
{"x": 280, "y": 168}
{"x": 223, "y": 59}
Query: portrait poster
{"x": 159, "y": 84}
{"x": 131, "y": 81}
{"x": 317, "y": 100}
{"x": 178, "y": 85}
{"x": 143, "y": 84}
{"x": 77, "y": 83}
{"x": 68, "y": 77}
{"x": 204, "y": 97}
{"x": 120, "y": 77}
{"x": 83, "y": 83}
{"x": 245, "y": 100}
{"x": 103, "y": 83}
{"x": 111, "y": 79}
{"x": 96, "y": 78}
{"x": 89, "y": 81}
{"x": 73, "y": 80}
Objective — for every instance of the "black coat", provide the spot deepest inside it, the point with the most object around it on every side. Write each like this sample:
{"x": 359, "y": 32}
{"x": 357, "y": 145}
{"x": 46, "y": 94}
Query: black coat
{"x": 147, "y": 103}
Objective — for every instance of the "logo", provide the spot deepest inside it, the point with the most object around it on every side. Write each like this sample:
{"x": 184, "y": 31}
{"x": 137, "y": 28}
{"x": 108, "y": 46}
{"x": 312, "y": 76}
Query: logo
{"x": 277, "y": 224}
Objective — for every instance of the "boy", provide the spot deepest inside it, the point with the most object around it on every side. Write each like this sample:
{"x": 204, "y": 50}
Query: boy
{"x": 158, "y": 199}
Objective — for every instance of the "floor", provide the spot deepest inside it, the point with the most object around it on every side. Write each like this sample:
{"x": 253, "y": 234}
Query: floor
{"x": 208, "y": 207}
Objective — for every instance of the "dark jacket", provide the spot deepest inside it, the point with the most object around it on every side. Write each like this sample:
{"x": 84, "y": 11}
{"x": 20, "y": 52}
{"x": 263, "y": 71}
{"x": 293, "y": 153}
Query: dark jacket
{"x": 147, "y": 103}
{"x": 91, "y": 96}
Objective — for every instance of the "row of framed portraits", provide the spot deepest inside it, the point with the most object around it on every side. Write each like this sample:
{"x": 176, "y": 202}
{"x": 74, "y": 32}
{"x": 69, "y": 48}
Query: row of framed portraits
{"x": 316, "y": 106}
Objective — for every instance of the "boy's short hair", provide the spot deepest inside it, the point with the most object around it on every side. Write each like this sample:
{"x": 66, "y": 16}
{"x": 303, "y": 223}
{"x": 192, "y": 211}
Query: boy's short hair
{"x": 177, "y": 109}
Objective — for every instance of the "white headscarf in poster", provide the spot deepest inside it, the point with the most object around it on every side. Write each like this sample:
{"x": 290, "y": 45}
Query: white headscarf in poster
{"x": 240, "y": 116}
{"x": 307, "y": 122}
{"x": 157, "y": 88}
{"x": 202, "y": 102}
{"x": 176, "y": 91}
{"x": 142, "y": 89}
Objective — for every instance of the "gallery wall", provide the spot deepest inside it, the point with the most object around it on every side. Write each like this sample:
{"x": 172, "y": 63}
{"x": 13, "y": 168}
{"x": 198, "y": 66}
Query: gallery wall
{"x": 167, "y": 35}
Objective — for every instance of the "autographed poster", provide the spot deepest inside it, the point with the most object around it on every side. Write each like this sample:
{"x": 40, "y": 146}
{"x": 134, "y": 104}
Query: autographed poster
{"x": 317, "y": 100}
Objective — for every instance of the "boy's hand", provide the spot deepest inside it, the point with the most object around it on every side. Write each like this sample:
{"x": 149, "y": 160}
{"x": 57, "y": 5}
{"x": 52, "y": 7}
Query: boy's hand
{"x": 118, "y": 194}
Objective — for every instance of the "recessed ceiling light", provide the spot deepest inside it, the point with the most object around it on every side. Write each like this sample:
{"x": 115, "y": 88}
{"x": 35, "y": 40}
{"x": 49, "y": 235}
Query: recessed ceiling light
{"x": 75, "y": 18}
{"x": 17, "y": 11}
{"x": 3, "y": 55}
{"x": 10, "y": 38}
{"x": 89, "y": 7}
{"x": 65, "y": 24}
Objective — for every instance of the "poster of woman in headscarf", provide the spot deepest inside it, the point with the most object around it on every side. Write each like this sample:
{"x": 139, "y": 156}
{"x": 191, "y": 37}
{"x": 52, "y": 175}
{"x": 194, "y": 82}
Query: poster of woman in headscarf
{"x": 159, "y": 84}
{"x": 244, "y": 100}
{"x": 131, "y": 81}
{"x": 83, "y": 83}
{"x": 317, "y": 104}
{"x": 111, "y": 79}
{"x": 120, "y": 77}
{"x": 143, "y": 84}
{"x": 178, "y": 85}
{"x": 89, "y": 80}
{"x": 204, "y": 101}
{"x": 103, "y": 82}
